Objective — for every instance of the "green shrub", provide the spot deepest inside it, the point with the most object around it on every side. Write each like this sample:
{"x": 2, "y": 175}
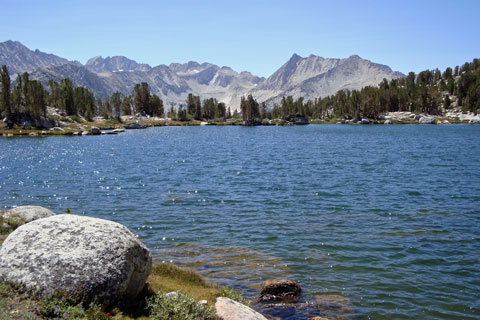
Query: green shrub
{"x": 231, "y": 294}
{"x": 10, "y": 224}
{"x": 69, "y": 307}
{"x": 76, "y": 118}
{"x": 15, "y": 222}
{"x": 178, "y": 307}
{"x": 66, "y": 119}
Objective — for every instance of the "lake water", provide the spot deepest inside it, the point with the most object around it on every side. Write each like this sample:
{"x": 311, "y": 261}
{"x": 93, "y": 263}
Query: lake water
{"x": 385, "y": 216}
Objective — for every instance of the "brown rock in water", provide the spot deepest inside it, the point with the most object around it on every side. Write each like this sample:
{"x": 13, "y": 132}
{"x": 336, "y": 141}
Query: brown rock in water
{"x": 324, "y": 307}
{"x": 280, "y": 290}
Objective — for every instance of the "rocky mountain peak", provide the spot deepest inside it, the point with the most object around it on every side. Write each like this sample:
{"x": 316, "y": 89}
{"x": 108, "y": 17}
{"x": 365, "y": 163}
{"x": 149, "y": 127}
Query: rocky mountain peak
{"x": 93, "y": 60}
{"x": 355, "y": 57}
{"x": 295, "y": 57}
{"x": 18, "y": 58}
{"x": 115, "y": 64}
{"x": 309, "y": 77}
{"x": 314, "y": 77}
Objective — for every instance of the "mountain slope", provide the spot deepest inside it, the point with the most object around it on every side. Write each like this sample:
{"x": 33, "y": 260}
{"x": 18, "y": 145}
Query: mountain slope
{"x": 314, "y": 77}
{"x": 309, "y": 77}
{"x": 114, "y": 64}
{"x": 79, "y": 75}
{"x": 19, "y": 58}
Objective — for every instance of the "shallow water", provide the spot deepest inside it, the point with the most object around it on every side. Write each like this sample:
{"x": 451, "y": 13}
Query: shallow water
{"x": 386, "y": 216}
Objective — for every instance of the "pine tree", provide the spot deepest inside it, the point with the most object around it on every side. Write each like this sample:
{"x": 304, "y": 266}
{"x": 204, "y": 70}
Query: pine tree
{"x": 263, "y": 112}
{"x": 198, "y": 108}
{"x": 37, "y": 100}
{"x": 66, "y": 97}
{"x": 141, "y": 97}
{"x": 182, "y": 114}
{"x": 5, "y": 106}
{"x": 191, "y": 105}
{"x": 127, "y": 105}
{"x": 156, "y": 106}
{"x": 116, "y": 102}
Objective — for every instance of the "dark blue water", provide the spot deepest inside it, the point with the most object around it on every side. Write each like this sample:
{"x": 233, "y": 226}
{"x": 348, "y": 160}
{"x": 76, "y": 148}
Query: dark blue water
{"x": 386, "y": 216}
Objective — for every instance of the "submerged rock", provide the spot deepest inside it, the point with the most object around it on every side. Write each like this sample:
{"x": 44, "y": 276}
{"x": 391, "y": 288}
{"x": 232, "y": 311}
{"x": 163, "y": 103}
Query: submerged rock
{"x": 334, "y": 305}
{"x": 279, "y": 290}
{"x": 97, "y": 258}
{"x": 227, "y": 309}
{"x": 323, "y": 307}
{"x": 28, "y": 213}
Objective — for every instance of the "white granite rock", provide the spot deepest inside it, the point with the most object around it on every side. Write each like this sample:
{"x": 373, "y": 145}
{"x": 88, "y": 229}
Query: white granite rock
{"x": 28, "y": 213}
{"x": 76, "y": 254}
{"x": 227, "y": 309}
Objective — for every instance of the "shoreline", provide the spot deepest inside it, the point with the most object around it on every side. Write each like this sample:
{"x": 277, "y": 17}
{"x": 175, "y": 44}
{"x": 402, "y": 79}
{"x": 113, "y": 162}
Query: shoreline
{"x": 274, "y": 299}
{"x": 104, "y": 127}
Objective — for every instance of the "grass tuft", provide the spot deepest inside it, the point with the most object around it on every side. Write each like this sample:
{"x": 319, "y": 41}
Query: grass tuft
{"x": 231, "y": 294}
{"x": 167, "y": 277}
{"x": 179, "y": 306}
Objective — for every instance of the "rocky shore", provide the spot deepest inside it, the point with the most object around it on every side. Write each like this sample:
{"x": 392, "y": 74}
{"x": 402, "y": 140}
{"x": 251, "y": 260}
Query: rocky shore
{"x": 106, "y": 267}
{"x": 453, "y": 116}
{"x": 57, "y": 124}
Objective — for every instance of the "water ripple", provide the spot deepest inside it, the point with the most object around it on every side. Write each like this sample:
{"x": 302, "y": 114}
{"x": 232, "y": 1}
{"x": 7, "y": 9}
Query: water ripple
{"x": 385, "y": 216}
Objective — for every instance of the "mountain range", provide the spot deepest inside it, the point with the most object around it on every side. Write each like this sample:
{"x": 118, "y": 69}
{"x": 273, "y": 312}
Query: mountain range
{"x": 310, "y": 77}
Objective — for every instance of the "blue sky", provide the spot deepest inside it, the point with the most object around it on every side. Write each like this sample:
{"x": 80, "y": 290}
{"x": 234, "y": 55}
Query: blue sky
{"x": 258, "y": 36}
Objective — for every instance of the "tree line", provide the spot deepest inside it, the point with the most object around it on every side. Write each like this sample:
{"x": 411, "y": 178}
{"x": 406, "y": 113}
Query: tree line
{"x": 29, "y": 99}
{"x": 424, "y": 92}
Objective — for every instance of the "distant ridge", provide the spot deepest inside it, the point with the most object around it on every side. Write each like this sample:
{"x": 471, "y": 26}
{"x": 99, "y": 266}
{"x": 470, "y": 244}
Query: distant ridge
{"x": 115, "y": 64}
{"x": 309, "y": 77}
{"x": 314, "y": 77}
{"x": 19, "y": 58}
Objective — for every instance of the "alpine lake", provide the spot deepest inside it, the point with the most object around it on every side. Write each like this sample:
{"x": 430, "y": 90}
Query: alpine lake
{"x": 385, "y": 217}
